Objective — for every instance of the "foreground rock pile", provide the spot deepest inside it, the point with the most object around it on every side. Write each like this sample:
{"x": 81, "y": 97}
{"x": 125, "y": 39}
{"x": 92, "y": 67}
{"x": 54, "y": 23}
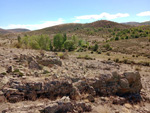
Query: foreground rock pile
{"x": 63, "y": 85}
{"x": 104, "y": 85}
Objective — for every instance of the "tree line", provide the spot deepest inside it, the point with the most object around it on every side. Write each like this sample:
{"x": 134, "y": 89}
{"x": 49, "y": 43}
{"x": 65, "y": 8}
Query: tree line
{"x": 60, "y": 42}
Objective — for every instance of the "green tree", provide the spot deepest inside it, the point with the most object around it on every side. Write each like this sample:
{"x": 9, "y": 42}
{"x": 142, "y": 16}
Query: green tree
{"x": 64, "y": 37}
{"x": 58, "y": 41}
{"x": 44, "y": 42}
{"x": 75, "y": 40}
{"x": 34, "y": 45}
{"x": 51, "y": 46}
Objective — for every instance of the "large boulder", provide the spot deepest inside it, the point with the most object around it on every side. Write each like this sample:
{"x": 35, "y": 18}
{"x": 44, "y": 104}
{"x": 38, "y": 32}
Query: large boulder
{"x": 130, "y": 83}
{"x": 112, "y": 84}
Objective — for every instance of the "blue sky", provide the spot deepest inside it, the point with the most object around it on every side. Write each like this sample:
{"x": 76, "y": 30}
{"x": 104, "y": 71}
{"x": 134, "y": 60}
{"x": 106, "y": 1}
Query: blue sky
{"x": 37, "y": 14}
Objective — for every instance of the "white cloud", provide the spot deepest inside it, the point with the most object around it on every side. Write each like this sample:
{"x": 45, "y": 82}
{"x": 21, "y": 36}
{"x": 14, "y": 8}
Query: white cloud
{"x": 35, "y": 26}
{"x": 102, "y": 16}
{"x": 76, "y": 21}
{"x": 146, "y": 13}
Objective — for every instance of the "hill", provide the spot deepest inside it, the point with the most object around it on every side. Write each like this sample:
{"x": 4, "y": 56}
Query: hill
{"x": 18, "y": 30}
{"x": 3, "y": 31}
{"x": 99, "y": 27}
{"x": 146, "y": 23}
{"x": 132, "y": 23}
{"x": 106, "y": 24}
{"x": 7, "y": 31}
{"x": 137, "y": 23}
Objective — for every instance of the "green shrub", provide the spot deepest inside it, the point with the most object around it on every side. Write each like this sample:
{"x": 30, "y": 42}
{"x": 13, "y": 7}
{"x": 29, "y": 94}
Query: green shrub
{"x": 109, "y": 58}
{"x": 85, "y": 57}
{"x": 107, "y": 47}
{"x": 116, "y": 60}
{"x": 95, "y": 48}
{"x": 19, "y": 39}
{"x": 99, "y": 52}
{"x": 69, "y": 45}
{"x": 117, "y": 38}
{"x": 45, "y": 72}
{"x": 34, "y": 45}
{"x": 127, "y": 37}
{"x": 62, "y": 55}
{"x": 125, "y": 61}
{"x": 108, "y": 54}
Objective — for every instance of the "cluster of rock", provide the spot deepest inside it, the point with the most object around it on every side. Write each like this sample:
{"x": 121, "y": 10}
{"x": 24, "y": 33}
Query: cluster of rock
{"x": 104, "y": 85}
{"x": 64, "y": 107}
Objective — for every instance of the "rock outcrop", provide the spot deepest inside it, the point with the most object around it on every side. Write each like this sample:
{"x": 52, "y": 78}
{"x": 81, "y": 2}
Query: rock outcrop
{"x": 104, "y": 85}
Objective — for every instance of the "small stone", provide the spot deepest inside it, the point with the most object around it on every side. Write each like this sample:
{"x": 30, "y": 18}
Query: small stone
{"x": 90, "y": 98}
{"x": 9, "y": 69}
{"x": 125, "y": 110}
{"x": 127, "y": 105}
{"x": 65, "y": 99}
{"x": 136, "y": 106}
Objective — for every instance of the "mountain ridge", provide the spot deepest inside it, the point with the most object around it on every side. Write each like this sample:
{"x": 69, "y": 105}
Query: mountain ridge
{"x": 17, "y": 30}
{"x": 71, "y": 27}
{"x": 137, "y": 23}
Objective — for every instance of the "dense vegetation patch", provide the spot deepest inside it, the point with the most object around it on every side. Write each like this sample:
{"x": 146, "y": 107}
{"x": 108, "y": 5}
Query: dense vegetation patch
{"x": 60, "y": 42}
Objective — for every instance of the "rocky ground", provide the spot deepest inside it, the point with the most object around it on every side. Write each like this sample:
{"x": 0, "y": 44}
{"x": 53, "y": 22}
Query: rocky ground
{"x": 34, "y": 81}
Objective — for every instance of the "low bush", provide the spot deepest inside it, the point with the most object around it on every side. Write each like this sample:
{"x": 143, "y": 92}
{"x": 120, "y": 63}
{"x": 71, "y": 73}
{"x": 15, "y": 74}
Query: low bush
{"x": 116, "y": 60}
{"x": 107, "y": 47}
{"x": 85, "y": 57}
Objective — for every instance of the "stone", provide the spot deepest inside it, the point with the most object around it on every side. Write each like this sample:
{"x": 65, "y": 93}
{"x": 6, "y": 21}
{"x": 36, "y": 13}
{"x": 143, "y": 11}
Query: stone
{"x": 90, "y": 98}
{"x": 67, "y": 107}
{"x": 10, "y": 69}
{"x": 124, "y": 84}
{"x": 118, "y": 100}
{"x": 2, "y": 97}
{"x": 125, "y": 110}
{"x": 65, "y": 99}
{"x": 2, "y": 69}
{"x": 3, "y": 81}
{"x": 34, "y": 65}
{"x": 127, "y": 105}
